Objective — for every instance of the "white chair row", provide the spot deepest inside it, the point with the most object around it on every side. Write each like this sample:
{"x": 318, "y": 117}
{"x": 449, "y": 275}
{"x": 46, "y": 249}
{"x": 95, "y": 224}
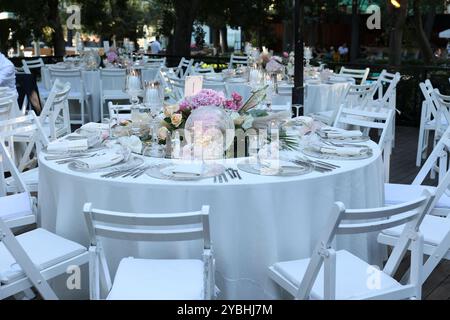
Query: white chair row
{"x": 434, "y": 118}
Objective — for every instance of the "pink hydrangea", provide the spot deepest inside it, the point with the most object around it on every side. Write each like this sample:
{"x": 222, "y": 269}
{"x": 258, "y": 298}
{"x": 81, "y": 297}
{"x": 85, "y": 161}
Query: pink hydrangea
{"x": 112, "y": 56}
{"x": 208, "y": 97}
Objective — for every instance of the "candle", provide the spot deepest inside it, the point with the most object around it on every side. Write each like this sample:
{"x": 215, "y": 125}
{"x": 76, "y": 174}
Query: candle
{"x": 254, "y": 77}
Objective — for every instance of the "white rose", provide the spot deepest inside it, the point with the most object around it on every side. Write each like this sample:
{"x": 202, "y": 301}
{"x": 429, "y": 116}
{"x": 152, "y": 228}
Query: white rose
{"x": 163, "y": 132}
{"x": 170, "y": 110}
{"x": 176, "y": 119}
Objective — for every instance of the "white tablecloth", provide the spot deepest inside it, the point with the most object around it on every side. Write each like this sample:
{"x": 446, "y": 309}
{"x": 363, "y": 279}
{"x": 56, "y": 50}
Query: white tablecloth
{"x": 254, "y": 222}
{"x": 324, "y": 97}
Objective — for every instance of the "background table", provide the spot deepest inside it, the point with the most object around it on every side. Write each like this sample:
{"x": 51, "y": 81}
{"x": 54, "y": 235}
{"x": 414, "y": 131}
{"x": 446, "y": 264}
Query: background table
{"x": 324, "y": 97}
{"x": 254, "y": 222}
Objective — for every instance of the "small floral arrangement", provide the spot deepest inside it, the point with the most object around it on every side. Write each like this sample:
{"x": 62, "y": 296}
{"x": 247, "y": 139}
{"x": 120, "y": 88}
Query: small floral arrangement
{"x": 112, "y": 56}
{"x": 176, "y": 115}
{"x": 208, "y": 97}
{"x": 275, "y": 65}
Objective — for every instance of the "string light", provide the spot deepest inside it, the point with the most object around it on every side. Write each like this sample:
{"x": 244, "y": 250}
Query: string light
{"x": 395, "y": 3}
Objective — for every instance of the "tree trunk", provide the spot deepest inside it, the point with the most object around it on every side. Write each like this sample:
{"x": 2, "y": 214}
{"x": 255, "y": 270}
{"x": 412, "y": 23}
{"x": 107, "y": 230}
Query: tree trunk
{"x": 185, "y": 12}
{"x": 354, "y": 49}
{"x": 421, "y": 37}
{"x": 59, "y": 44}
{"x": 396, "y": 33}
{"x": 224, "y": 39}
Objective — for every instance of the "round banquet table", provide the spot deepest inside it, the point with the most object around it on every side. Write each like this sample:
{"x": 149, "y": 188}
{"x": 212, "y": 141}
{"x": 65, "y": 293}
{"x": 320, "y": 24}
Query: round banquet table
{"x": 255, "y": 222}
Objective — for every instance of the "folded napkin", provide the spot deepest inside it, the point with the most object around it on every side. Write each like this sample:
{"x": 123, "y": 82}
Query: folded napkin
{"x": 133, "y": 143}
{"x": 343, "y": 151}
{"x": 62, "y": 146}
{"x": 94, "y": 127}
{"x": 344, "y": 134}
{"x": 100, "y": 162}
{"x": 92, "y": 139}
{"x": 192, "y": 169}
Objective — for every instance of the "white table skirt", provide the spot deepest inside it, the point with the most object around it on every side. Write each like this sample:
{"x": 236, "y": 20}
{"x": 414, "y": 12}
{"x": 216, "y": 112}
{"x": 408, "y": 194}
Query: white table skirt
{"x": 254, "y": 222}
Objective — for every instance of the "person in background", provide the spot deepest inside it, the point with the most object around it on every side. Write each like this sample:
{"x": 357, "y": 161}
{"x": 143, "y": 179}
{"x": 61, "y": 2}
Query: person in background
{"x": 7, "y": 73}
{"x": 343, "y": 52}
{"x": 155, "y": 46}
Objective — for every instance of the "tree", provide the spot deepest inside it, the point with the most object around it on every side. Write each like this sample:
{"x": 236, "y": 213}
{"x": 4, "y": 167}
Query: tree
{"x": 354, "y": 49}
{"x": 421, "y": 38}
{"x": 398, "y": 19}
{"x": 185, "y": 13}
{"x": 54, "y": 21}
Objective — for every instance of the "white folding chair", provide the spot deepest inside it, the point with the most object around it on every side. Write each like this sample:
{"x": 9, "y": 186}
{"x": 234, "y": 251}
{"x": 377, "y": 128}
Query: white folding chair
{"x": 148, "y": 279}
{"x": 436, "y": 162}
{"x": 356, "y": 96}
{"x": 184, "y": 69}
{"x": 32, "y": 258}
{"x": 381, "y": 120}
{"x": 78, "y": 91}
{"x": 35, "y": 139}
{"x": 434, "y": 228}
{"x": 236, "y": 61}
{"x": 429, "y": 122}
{"x": 177, "y": 85}
{"x": 151, "y": 73}
{"x": 28, "y": 66}
{"x": 55, "y": 116}
{"x": 340, "y": 275}
{"x": 17, "y": 208}
{"x": 112, "y": 86}
{"x": 360, "y": 75}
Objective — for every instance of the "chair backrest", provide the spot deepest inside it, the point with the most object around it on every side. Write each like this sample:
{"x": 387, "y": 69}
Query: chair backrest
{"x": 57, "y": 108}
{"x": 151, "y": 73}
{"x": 119, "y": 112}
{"x": 187, "y": 226}
{"x": 244, "y": 90}
{"x": 381, "y": 120}
{"x": 29, "y": 126}
{"x": 442, "y": 103}
{"x": 358, "y": 96}
{"x": 199, "y": 70}
{"x": 360, "y": 75}
{"x": 73, "y": 76}
{"x": 28, "y": 65}
{"x": 217, "y": 86}
{"x": 177, "y": 86}
{"x": 236, "y": 60}
{"x": 113, "y": 79}
{"x": 6, "y": 104}
{"x": 161, "y": 61}
{"x": 184, "y": 68}
{"x": 387, "y": 88}
{"x": 427, "y": 91}
{"x": 343, "y": 221}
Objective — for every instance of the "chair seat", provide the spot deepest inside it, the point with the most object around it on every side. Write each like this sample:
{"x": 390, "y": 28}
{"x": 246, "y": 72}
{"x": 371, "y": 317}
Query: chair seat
{"x": 76, "y": 95}
{"x": 15, "y": 206}
{"x": 45, "y": 249}
{"x": 432, "y": 123}
{"x": 401, "y": 193}
{"x": 30, "y": 177}
{"x": 434, "y": 230}
{"x": 115, "y": 95}
{"x": 144, "y": 279}
{"x": 60, "y": 130}
{"x": 351, "y": 277}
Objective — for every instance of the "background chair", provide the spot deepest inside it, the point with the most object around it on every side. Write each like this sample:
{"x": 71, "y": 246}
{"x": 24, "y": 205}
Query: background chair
{"x": 184, "y": 68}
{"x": 340, "y": 275}
{"x": 360, "y": 75}
{"x": 78, "y": 92}
{"x": 381, "y": 120}
{"x": 37, "y": 64}
{"x": 112, "y": 87}
{"x": 236, "y": 60}
{"x": 149, "y": 279}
